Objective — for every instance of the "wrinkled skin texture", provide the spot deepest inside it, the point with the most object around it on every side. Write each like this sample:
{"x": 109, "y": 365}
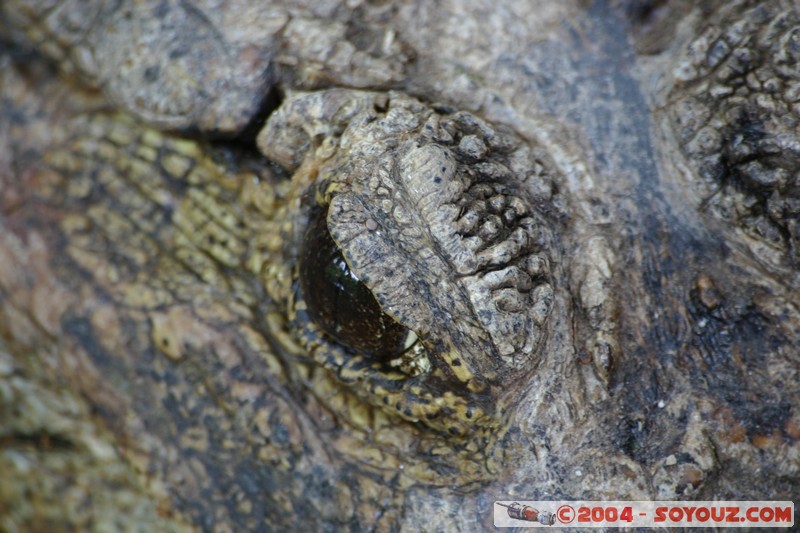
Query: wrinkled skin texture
{"x": 586, "y": 211}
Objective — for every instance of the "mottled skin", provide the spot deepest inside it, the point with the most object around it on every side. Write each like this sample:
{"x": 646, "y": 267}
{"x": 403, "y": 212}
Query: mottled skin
{"x": 595, "y": 244}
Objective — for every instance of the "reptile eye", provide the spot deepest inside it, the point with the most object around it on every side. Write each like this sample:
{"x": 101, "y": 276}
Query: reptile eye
{"x": 340, "y": 303}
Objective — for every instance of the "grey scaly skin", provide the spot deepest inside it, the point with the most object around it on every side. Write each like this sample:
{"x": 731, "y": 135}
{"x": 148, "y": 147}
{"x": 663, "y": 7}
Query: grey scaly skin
{"x": 584, "y": 213}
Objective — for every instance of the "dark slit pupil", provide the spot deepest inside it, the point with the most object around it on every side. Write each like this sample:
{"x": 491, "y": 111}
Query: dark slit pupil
{"x": 339, "y": 302}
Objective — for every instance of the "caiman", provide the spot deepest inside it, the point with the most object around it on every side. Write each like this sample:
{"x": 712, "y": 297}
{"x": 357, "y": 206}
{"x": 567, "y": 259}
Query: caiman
{"x": 372, "y": 265}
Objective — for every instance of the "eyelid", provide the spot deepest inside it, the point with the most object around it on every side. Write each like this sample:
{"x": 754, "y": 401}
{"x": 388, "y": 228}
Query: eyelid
{"x": 340, "y": 304}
